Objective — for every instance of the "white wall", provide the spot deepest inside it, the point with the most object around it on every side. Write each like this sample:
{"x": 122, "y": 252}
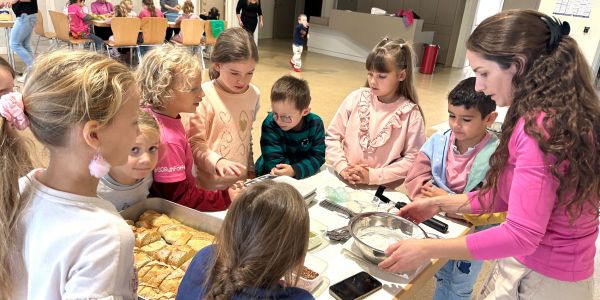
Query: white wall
{"x": 328, "y": 5}
{"x": 590, "y": 42}
{"x": 268, "y": 9}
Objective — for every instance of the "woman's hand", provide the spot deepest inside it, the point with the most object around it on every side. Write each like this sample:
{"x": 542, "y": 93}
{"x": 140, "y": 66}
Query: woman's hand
{"x": 405, "y": 255}
{"x": 420, "y": 210}
{"x": 226, "y": 167}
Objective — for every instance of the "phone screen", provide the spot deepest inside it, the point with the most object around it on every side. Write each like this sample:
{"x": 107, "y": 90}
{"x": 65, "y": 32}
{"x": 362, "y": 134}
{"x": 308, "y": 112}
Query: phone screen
{"x": 355, "y": 287}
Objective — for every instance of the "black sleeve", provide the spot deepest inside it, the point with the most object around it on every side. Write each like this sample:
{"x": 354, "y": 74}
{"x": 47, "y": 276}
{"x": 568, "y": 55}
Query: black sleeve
{"x": 239, "y": 6}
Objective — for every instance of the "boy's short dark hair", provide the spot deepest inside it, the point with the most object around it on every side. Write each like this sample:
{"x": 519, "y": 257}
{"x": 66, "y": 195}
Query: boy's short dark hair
{"x": 464, "y": 94}
{"x": 292, "y": 89}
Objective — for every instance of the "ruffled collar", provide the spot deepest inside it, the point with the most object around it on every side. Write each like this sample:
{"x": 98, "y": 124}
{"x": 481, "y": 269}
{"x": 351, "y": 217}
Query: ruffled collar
{"x": 368, "y": 143}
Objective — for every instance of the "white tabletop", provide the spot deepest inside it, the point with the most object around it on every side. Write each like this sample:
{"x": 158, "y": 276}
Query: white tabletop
{"x": 341, "y": 266}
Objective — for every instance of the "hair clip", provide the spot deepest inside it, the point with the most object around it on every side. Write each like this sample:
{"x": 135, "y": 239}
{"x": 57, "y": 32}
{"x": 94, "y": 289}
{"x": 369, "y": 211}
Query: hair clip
{"x": 557, "y": 30}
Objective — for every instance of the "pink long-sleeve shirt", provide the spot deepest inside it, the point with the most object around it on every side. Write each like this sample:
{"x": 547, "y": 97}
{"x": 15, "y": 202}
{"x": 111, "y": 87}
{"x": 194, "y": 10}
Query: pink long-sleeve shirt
{"x": 385, "y": 136}
{"x": 536, "y": 232}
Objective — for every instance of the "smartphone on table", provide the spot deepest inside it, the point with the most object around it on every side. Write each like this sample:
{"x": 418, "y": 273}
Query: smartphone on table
{"x": 357, "y": 286}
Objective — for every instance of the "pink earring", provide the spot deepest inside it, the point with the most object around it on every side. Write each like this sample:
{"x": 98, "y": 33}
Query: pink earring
{"x": 99, "y": 167}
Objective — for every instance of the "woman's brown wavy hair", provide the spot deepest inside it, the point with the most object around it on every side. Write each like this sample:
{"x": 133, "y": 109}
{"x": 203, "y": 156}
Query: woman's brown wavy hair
{"x": 557, "y": 82}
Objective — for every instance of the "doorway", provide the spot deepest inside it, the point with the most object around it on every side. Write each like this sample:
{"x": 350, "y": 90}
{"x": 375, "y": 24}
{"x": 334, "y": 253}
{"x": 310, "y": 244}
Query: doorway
{"x": 206, "y": 5}
{"x": 284, "y": 18}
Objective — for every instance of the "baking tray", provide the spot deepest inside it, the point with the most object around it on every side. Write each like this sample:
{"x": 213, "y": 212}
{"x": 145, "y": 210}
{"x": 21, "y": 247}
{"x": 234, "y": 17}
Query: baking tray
{"x": 190, "y": 217}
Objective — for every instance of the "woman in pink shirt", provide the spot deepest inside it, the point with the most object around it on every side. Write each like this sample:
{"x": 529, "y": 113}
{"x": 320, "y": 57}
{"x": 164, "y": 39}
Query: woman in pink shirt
{"x": 543, "y": 174}
{"x": 378, "y": 130}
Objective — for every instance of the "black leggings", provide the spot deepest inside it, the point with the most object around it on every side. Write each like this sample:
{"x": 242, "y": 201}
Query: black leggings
{"x": 250, "y": 24}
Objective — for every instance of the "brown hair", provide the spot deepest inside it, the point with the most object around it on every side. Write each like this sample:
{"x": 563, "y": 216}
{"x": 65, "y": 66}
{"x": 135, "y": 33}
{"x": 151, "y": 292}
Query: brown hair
{"x": 232, "y": 45}
{"x": 150, "y": 5}
{"x": 63, "y": 89}
{"x": 188, "y": 7}
{"x": 264, "y": 237}
{"x": 290, "y": 88}
{"x": 396, "y": 53}
{"x": 121, "y": 10}
{"x": 160, "y": 71}
{"x": 553, "y": 79}
{"x": 6, "y": 66}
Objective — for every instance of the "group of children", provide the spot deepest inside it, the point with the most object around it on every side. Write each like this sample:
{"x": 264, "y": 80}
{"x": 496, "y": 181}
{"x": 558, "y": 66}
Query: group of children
{"x": 79, "y": 18}
{"x": 85, "y": 110}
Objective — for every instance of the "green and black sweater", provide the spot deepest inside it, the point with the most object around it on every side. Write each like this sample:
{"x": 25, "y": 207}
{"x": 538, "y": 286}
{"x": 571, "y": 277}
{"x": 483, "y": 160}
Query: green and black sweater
{"x": 304, "y": 149}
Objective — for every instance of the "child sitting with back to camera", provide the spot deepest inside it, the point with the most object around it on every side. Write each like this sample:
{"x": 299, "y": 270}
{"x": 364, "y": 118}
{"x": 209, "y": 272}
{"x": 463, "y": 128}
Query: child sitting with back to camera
{"x": 238, "y": 267}
{"x": 292, "y": 138}
{"x": 188, "y": 13}
{"x": 377, "y": 132}
{"x": 130, "y": 183}
{"x": 220, "y": 130}
{"x": 456, "y": 161}
{"x": 170, "y": 80}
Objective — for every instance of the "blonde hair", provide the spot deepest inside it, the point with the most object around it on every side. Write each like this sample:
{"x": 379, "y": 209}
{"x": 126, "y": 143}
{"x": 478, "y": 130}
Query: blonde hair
{"x": 147, "y": 124}
{"x": 232, "y": 45}
{"x": 121, "y": 10}
{"x": 276, "y": 218}
{"x": 125, "y": 2}
{"x": 158, "y": 73}
{"x": 64, "y": 89}
{"x": 188, "y": 7}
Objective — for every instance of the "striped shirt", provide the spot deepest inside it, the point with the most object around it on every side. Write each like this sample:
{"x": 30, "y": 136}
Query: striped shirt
{"x": 304, "y": 150}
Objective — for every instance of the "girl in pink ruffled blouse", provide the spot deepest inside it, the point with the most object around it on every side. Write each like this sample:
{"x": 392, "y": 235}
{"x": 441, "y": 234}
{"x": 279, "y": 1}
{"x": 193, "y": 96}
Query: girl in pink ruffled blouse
{"x": 378, "y": 130}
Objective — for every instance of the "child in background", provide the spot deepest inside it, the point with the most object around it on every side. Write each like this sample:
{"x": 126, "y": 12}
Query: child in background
{"x": 128, "y": 5}
{"x": 292, "y": 138}
{"x": 7, "y": 77}
{"x": 456, "y": 162}
{"x": 378, "y": 130}
{"x": 237, "y": 267}
{"x": 220, "y": 131}
{"x": 60, "y": 241}
{"x": 300, "y": 37}
{"x": 78, "y": 28}
{"x": 149, "y": 10}
{"x": 188, "y": 13}
{"x": 169, "y": 78}
{"x": 125, "y": 185}
{"x": 213, "y": 14}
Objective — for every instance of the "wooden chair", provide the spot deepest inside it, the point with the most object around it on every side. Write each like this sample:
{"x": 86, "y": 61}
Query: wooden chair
{"x": 191, "y": 33}
{"x": 60, "y": 21}
{"x": 210, "y": 38}
{"x": 41, "y": 31}
{"x": 125, "y": 33}
{"x": 154, "y": 30}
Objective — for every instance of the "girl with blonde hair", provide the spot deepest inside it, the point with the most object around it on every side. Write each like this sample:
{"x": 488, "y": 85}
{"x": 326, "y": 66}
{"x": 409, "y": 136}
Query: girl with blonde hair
{"x": 188, "y": 13}
{"x": 130, "y": 183}
{"x": 59, "y": 240}
{"x": 169, "y": 79}
{"x": 263, "y": 239}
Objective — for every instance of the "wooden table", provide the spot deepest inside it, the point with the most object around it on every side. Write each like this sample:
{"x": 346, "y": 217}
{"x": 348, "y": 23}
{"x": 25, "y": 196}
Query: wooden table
{"x": 8, "y": 25}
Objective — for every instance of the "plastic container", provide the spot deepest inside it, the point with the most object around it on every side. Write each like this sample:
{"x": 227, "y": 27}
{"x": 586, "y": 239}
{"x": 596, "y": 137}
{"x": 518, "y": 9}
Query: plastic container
{"x": 316, "y": 264}
{"x": 430, "y": 53}
{"x": 317, "y": 231}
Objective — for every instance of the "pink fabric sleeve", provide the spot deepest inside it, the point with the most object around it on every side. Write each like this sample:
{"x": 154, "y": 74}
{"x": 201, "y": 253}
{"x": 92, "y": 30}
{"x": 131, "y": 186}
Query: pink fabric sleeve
{"x": 415, "y": 138}
{"x": 418, "y": 176}
{"x": 171, "y": 164}
{"x": 531, "y": 200}
{"x": 94, "y": 7}
{"x": 200, "y": 122}
{"x": 334, "y": 137}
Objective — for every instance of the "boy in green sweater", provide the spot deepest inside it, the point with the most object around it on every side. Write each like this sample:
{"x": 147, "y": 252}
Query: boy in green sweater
{"x": 292, "y": 140}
